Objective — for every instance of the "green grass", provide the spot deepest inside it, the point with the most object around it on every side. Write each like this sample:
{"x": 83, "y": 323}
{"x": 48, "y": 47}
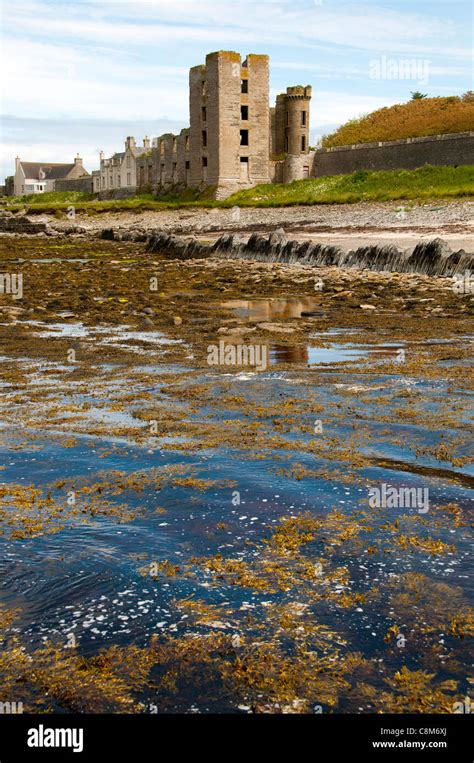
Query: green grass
{"x": 421, "y": 184}
{"x": 386, "y": 185}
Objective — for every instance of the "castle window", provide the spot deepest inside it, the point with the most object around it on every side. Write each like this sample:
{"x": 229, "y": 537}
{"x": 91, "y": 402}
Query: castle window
{"x": 118, "y": 180}
{"x": 287, "y": 144}
{"x": 303, "y": 118}
{"x": 129, "y": 178}
{"x": 244, "y": 159}
{"x": 204, "y": 161}
{"x": 204, "y": 138}
{"x": 287, "y": 118}
{"x": 244, "y": 113}
{"x": 174, "y": 145}
{"x": 245, "y": 86}
{"x": 303, "y": 142}
{"x": 203, "y": 88}
{"x": 186, "y": 143}
{"x": 188, "y": 165}
{"x": 128, "y": 161}
{"x": 244, "y": 137}
{"x": 162, "y": 146}
{"x": 204, "y": 114}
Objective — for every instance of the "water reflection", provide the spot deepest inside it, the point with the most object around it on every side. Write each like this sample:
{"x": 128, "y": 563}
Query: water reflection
{"x": 273, "y": 308}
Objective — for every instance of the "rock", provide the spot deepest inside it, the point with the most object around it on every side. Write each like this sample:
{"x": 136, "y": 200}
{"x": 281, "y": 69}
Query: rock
{"x": 276, "y": 327}
{"x": 367, "y": 307}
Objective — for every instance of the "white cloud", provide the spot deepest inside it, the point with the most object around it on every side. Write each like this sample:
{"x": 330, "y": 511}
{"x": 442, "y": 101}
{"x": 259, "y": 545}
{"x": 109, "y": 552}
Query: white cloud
{"x": 355, "y": 25}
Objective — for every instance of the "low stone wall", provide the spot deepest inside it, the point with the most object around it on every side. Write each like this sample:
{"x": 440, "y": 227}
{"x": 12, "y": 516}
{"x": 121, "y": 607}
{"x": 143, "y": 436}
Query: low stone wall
{"x": 79, "y": 185}
{"x": 117, "y": 193}
{"x": 21, "y": 224}
{"x": 445, "y": 150}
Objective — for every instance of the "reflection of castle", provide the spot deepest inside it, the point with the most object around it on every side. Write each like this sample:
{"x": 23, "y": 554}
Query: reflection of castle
{"x": 281, "y": 353}
{"x": 272, "y": 309}
{"x": 235, "y": 140}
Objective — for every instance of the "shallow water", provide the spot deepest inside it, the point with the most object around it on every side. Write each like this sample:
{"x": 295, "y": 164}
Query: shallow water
{"x": 210, "y": 527}
{"x": 85, "y": 580}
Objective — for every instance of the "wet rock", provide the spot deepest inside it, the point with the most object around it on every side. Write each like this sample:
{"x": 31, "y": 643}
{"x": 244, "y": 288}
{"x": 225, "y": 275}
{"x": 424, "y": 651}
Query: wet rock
{"x": 276, "y": 328}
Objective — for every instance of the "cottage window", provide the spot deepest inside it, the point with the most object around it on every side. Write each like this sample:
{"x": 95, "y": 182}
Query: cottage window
{"x": 128, "y": 161}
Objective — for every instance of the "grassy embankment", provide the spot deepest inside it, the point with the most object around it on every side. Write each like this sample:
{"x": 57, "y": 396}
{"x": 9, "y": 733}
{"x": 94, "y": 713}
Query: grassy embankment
{"x": 415, "y": 119}
{"x": 425, "y": 183}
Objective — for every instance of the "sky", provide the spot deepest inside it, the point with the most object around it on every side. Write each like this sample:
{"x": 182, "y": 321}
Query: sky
{"x": 80, "y": 76}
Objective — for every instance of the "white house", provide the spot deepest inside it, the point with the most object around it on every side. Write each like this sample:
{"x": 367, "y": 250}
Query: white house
{"x": 40, "y": 177}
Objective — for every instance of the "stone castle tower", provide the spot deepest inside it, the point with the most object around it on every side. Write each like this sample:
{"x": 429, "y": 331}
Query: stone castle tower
{"x": 290, "y": 121}
{"x": 229, "y": 121}
{"x": 234, "y": 140}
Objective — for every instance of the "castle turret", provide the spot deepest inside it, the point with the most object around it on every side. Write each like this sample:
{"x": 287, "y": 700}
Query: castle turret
{"x": 292, "y": 121}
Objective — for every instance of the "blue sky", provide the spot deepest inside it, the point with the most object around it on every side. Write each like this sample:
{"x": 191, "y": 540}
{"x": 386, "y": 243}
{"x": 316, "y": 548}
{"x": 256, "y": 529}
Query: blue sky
{"x": 82, "y": 75}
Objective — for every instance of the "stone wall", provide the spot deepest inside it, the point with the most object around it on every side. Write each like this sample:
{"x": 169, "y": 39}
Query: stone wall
{"x": 77, "y": 185}
{"x": 450, "y": 150}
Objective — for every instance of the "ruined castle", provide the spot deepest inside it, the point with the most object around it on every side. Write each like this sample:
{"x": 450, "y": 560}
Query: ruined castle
{"x": 234, "y": 141}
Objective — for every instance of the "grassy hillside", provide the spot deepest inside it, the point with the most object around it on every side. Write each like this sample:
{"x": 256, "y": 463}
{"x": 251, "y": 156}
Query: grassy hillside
{"x": 384, "y": 185}
{"x": 424, "y": 183}
{"x": 415, "y": 119}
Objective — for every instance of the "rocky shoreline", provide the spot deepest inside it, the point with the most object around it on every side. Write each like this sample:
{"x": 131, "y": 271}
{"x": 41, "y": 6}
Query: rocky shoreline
{"x": 245, "y": 239}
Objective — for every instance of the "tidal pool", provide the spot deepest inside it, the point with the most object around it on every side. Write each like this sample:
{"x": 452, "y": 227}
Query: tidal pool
{"x": 188, "y": 539}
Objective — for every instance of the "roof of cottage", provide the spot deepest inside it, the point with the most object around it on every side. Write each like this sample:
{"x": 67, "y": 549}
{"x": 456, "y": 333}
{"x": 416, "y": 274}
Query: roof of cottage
{"x": 51, "y": 171}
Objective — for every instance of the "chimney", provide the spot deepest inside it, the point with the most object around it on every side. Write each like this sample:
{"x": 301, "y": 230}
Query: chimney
{"x": 130, "y": 142}
{"x": 101, "y": 156}
{"x": 146, "y": 142}
{"x": 78, "y": 161}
